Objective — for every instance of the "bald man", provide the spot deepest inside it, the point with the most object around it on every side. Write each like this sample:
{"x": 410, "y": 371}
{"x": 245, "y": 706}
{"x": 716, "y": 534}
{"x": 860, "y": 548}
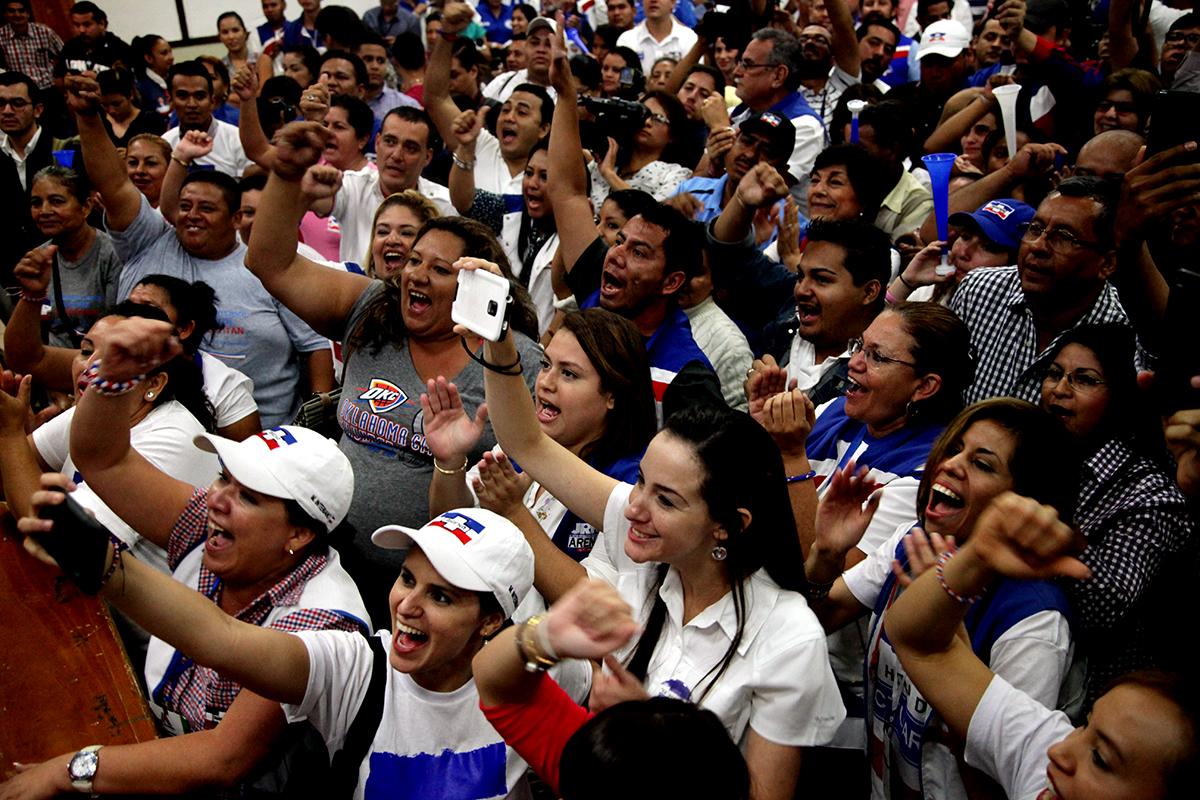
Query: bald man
{"x": 1108, "y": 155}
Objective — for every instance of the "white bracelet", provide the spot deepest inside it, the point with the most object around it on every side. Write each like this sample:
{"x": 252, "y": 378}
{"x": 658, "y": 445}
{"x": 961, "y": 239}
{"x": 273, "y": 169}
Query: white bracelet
{"x": 566, "y": 304}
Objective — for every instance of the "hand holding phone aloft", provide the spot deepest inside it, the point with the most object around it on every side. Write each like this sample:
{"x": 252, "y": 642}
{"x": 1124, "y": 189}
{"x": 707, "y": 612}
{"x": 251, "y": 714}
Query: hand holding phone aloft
{"x": 482, "y": 301}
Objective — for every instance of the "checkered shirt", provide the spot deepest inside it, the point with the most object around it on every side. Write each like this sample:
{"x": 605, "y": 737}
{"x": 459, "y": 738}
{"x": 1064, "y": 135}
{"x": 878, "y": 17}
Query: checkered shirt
{"x": 1136, "y": 523}
{"x": 198, "y": 694}
{"x": 1003, "y": 335}
{"x": 34, "y": 53}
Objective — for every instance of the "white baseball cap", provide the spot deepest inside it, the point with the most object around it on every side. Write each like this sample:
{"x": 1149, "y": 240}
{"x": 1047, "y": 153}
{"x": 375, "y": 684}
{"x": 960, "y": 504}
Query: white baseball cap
{"x": 943, "y": 38}
{"x": 473, "y": 548}
{"x": 291, "y": 463}
{"x": 541, "y": 22}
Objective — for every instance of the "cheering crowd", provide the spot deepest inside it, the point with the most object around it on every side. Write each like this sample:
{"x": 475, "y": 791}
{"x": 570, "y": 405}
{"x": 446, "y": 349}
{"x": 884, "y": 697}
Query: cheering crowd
{"x": 842, "y": 436}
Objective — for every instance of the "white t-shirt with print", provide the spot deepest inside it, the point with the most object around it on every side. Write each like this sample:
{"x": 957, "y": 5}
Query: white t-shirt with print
{"x": 355, "y": 204}
{"x": 779, "y": 681}
{"x": 433, "y": 745}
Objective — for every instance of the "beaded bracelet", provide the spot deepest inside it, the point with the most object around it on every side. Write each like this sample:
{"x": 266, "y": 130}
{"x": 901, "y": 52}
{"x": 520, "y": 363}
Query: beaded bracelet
{"x": 808, "y": 476}
{"x": 30, "y": 297}
{"x": 106, "y": 387}
{"x": 941, "y": 576}
{"x": 118, "y": 548}
{"x": 817, "y": 592}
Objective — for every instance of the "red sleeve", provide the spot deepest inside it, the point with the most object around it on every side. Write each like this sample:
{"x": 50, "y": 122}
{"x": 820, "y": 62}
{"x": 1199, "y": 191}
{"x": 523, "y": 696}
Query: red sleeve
{"x": 539, "y": 728}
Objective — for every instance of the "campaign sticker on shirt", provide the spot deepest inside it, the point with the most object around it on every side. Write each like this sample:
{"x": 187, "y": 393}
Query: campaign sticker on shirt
{"x": 383, "y": 395}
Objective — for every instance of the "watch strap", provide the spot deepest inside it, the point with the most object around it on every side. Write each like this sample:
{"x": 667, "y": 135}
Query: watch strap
{"x": 83, "y": 783}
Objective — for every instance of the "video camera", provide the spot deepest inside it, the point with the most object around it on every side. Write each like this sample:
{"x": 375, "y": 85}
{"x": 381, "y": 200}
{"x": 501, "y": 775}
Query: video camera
{"x": 620, "y": 119}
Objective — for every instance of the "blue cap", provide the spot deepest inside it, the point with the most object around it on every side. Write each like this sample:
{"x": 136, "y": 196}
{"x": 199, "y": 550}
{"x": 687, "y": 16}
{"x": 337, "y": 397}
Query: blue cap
{"x": 999, "y": 220}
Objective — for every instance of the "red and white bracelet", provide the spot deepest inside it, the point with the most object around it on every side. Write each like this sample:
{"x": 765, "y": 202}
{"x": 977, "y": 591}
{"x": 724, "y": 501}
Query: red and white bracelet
{"x": 106, "y": 387}
{"x": 941, "y": 576}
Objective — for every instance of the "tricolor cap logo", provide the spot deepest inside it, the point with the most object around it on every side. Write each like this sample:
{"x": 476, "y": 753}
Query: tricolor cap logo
{"x": 771, "y": 119}
{"x": 995, "y": 207}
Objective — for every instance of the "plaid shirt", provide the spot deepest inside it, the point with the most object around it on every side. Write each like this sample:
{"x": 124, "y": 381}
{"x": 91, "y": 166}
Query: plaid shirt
{"x": 34, "y": 53}
{"x": 1136, "y": 523}
{"x": 1004, "y": 337}
{"x": 198, "y": 694}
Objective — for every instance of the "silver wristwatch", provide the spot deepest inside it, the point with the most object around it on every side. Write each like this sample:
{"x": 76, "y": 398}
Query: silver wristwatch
{"x": 82, "y": 768}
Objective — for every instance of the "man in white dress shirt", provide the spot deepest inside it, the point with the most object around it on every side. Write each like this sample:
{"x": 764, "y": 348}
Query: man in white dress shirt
{"x": 191, "y": 92}
{"x": 659, "y": 35}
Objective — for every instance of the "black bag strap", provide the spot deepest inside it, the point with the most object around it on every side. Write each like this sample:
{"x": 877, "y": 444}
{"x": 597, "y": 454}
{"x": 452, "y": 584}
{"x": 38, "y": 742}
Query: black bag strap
{"x": 346, "y": 762}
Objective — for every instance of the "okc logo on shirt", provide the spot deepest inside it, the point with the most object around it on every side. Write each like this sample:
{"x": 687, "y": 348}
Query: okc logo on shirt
{"x": 383, "y": 395}
{"x": 462, "y": 526}
{"x": 1001, "y": 210}
{"x": 275, "y": 437}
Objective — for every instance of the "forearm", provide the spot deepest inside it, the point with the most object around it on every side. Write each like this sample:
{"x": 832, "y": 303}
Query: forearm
{"x": 845, "y": 42}
{"x": 690, "y": 59}
{"x": 319, "y": 370}
{"x": 615, "y": 182}
{"x": 23, "y": 347}
{"x": 270, "y": 663}
{"x": 925, "y": 619}
{"x": 568, "y": 191}
{"x": 733, "y": 225}
{"x": 510, "y": 406}
{"x": 253, "y": 138}
{"x": 803, "y": 496}
{"x": 946, "y": 136}
{"x": 437, "y": 73}
{"x": 20, "y": 473}
{"x": 500, "y": 674}
{"x": 276, "y": 225}
{"x": 449, "y": 491}
{"x": 99, "y": 431}
{"x": 1122, "y": 44}
{"x": 168, "y": 201}
{"x": 554, "y": 572}
{"x": 1143, "y": 292}
{"x": 462, "y": 180}
{"x": 105, "y": 170}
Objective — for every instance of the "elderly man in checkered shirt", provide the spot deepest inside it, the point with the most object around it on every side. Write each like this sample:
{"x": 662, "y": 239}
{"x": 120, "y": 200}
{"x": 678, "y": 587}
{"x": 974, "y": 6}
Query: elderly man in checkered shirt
{"x": 1060, "y": 281}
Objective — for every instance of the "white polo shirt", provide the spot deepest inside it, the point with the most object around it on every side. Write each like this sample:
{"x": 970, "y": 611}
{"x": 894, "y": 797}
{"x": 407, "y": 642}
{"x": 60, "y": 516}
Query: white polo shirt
{"x": 355, "y": 204}
{"x": 491, "y": 170}
{"x": 227, "y": 154}
{"x": 639, "y": 39}
{"x": 779, "y": 681}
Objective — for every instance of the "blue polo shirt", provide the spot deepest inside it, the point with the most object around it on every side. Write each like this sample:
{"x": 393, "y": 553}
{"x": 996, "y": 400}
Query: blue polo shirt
{"x": 498, "y": 26}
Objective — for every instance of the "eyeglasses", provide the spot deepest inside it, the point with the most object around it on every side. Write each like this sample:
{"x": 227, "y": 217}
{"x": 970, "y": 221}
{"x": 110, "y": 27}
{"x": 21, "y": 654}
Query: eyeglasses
{"x": 745, "y": 65}
{"x": 1080, "y": 380}
{"x": 1122, "y": 108}
{"x": 1179, "y": 37}
{"x": 1057, "y": 239}
{"x": 17, "y": 103}
{"x": 661, "y": 119}
{"x": 873, "y": 356}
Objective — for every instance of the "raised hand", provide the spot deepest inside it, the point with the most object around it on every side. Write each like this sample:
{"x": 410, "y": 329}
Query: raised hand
{"x": 54, "y": 485}
{"x": 1020, "y": 538}
{"x": 449, "y": 432}
{"x": 789, "y": 418}
{"x": 788, "y": 241}
{"x": 193, "y": 145}
{"x": 686, "y": 203}
{"x": 83, "y": 94}
{"x": 467, "y": 126}
{"x": 314, "y": 102}
{"x": 34, "y": 269}
{"x": 1155, "y": 188}
{"x": 1035, "y": 160}
{"x": 922, "y": 551}
{"x": 608, "y": 165}
{"x": 501, "y": 488}
{"x": 922, "y": 270}
{"x": 1011, "y": 16}
{"x": 456, "y": 17}
{"x": 764, "y": 380}
{"x": 321, "y": 181}
{"x": 1183, "y": 439}
{"x": 715, "y": 113}
{"x": 761, "y": 186}
{"x": 560, "y": 67}
{"x": 614, "y": 685}
{"x": 135, "y": 346}
{"x": 244, "y": 83}
{"x": 298, "y": 146}
{"x": 719, "y": 143}
{"x": 14, "y": 401}
{"x": 589, "y": 621}
{"x": 846, "y": 510}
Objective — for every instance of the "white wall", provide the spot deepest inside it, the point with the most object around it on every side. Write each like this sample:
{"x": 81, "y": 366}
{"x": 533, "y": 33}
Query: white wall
{"x": 129, "y": 18}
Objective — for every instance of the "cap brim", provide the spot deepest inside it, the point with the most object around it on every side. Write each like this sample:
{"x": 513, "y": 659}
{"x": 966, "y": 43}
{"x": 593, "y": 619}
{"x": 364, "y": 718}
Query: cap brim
{"x": 243, "y": 466}
{"x": 435, "y": 544}
{"x": 948, "y": 51}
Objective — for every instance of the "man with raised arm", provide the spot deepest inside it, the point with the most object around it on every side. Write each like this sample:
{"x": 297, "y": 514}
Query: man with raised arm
{"x": 641, "y": 275}
{"x": 258, "y": 336}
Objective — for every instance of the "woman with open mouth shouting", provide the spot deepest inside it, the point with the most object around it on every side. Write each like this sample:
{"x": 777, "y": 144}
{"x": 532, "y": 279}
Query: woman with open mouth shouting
{"x": 396, "y": 334}
{"x": 1019, "y": 628}
{"x": 399, "y": 712}
{"x": 593, "y": 396}
{"x": 1128, "y": 508}
{"x": 702, "y": 548}
{"x": 249, "y": 550}
{"x": 1139, "y": 742}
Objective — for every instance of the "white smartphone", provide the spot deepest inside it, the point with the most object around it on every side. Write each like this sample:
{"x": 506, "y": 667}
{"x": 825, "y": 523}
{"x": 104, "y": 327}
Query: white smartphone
{"x": 481, "y": 303}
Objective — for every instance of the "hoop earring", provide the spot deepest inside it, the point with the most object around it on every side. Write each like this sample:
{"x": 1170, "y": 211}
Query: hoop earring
{"x": 719, "y": 553}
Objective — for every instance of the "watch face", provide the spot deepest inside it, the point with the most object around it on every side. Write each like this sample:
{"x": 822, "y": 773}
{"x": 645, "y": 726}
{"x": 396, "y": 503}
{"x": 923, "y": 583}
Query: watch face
{"x": 83, "y": 766}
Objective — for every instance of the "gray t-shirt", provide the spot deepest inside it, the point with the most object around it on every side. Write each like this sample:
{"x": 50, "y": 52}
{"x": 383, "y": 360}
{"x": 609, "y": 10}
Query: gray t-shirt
{"x": 258, "y": 336}
{"x": 382, "y": 436}
{"x": 89, "y": 288}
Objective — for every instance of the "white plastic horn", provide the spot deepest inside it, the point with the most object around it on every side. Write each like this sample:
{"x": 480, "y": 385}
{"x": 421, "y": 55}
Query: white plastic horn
{"x": 1006, "y": 96}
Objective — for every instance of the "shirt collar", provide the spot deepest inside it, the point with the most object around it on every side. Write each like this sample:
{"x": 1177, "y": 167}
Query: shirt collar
{"x": 760, "y": 596}
{"x": 7, "y": 147}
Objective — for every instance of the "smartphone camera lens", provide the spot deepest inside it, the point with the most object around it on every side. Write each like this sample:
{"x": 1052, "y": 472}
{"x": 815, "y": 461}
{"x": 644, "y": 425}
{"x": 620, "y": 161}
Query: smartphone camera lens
{"x": 492, "y": 308}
